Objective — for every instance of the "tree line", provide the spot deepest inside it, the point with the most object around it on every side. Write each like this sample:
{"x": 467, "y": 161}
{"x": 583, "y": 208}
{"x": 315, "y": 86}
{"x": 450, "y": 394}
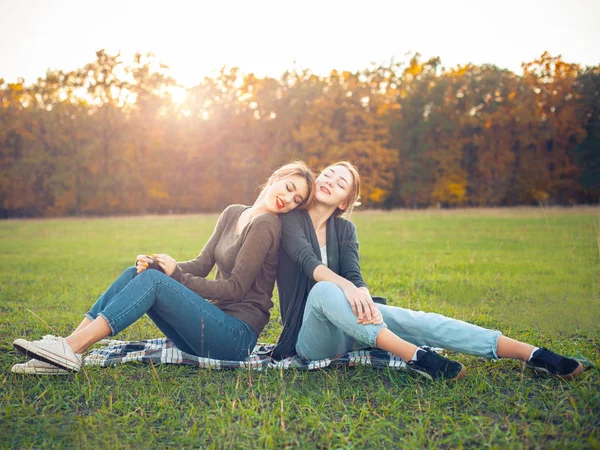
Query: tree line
{"x": 109, "y": 139}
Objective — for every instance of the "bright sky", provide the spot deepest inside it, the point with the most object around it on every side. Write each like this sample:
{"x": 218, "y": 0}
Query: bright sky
{"x": 198, "y": 37}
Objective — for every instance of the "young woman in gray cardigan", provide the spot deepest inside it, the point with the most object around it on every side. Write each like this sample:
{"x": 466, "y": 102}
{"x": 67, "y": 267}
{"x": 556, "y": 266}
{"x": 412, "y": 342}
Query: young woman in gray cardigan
{"x": 218, "y": 318}
{"x": 327, "y": 309}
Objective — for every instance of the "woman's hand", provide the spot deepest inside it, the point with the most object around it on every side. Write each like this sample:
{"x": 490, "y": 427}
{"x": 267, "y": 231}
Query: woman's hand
{"x": 377, "y": 319}
{"x": 167, "y": 263}
{"x": 141, "y": 263}
{"x": 361, "y": 302}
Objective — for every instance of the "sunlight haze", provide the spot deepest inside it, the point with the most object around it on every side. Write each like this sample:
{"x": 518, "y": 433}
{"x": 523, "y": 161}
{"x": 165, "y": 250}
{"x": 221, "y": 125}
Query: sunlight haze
{"x": 266, "y": 38}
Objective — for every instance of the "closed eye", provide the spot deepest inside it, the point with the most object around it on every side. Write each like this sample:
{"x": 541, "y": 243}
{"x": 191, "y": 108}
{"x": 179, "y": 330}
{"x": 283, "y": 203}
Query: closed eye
{"x": 291, "y": 187}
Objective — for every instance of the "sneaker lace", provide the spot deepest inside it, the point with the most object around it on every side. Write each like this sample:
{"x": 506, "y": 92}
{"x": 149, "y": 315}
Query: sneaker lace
{"x": 549, "y": 357}
{"x": 430, "y": 360}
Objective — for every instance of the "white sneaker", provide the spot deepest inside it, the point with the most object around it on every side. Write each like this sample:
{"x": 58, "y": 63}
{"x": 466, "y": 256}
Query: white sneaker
{"x": 53, "y": 350}
{"x": 37, "y": 367}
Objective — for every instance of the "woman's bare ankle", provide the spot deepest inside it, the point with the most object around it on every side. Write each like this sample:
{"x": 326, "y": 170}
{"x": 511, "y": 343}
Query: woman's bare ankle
{"x": 75, "y": 346}
{"x": 509, "y": 348}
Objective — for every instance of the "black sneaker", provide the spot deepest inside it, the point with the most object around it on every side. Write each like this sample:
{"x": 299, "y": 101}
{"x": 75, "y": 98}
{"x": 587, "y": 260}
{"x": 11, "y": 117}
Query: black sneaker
{"x": 434, "y": 366}
{"x": 544, "y": 360}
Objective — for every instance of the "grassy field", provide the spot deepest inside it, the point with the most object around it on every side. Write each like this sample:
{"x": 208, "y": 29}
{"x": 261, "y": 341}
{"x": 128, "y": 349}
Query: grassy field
{"x": 531, "y": 273}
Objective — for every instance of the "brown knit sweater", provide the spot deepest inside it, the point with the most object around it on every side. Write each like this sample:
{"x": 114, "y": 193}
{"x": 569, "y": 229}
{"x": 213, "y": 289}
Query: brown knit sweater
{"x": 246, "y": 267}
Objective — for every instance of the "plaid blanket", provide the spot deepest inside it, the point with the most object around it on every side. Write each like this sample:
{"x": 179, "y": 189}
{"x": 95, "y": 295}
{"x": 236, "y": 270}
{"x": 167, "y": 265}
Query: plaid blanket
{"x": 163, "y": 351}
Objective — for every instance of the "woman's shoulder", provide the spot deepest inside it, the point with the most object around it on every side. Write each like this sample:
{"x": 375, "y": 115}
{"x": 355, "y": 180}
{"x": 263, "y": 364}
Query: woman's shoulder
{"x": 232, "y": 211}
{"x": 268, "y": 220}
{"x": 344, "y": 225}
{"x": 265, "y": 229}
{"x": 234, "y": 208}
{"x": 295, "y": 216}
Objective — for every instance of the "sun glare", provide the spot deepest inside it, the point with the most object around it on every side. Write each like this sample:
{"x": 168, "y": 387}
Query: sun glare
{"x": 178, "y": 95}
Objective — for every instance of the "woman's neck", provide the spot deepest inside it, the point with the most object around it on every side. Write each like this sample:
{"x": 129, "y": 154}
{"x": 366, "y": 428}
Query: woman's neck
{"x": 259, "y": 207}
{"x": 320, "y": 214}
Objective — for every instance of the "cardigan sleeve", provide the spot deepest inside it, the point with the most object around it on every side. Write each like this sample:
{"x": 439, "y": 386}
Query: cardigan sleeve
{"x": 349, "y": 258}
{"x": 202, "y": 264}
{"x": 296, "y": 243}
{"x": 262, "y": 238}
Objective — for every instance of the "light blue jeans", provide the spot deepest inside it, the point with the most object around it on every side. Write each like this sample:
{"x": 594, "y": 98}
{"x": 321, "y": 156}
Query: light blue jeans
{"x": 195, "y": 325}
{"x": 329, "y": 328}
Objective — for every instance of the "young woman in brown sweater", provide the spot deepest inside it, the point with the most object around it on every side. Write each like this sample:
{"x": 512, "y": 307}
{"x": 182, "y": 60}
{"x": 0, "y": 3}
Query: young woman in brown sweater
{"x": 218, "y": 318}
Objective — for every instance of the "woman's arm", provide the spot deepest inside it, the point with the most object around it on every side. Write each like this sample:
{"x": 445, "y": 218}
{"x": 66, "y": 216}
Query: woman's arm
{"x": 359, "y": 298}
{"x": 202, "y": 264}
{"x": 263, "y": 237}
{"x": 358, "y": 294}
{"x": 349, "y": 258}
{"x": 297, "y": 245}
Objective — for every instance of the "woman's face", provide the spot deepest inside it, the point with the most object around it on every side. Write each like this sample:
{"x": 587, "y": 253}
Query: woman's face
{"x": 333, "y": 186}
{"x": 285, "y": 194}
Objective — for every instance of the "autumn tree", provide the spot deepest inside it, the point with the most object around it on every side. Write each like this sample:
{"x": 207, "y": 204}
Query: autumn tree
{"x": 107, "y": 90}
{"x": 587, "y": 153}
{"x": 108, "y": 139}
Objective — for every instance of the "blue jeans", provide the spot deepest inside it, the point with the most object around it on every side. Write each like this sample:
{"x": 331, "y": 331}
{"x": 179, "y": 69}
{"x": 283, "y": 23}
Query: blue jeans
{"x": 329, "y": 328}
{"x": 195, "y": 325}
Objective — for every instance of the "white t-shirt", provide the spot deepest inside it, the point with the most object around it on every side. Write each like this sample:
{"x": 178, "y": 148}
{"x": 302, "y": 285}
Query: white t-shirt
{"x": 324, "y": 255}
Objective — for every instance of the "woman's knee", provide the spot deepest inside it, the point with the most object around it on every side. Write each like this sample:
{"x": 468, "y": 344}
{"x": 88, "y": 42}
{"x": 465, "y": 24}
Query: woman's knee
{"x": 325, "y": 294}
{"x": 130, "y": 271}
{"x": 149, "y": 276}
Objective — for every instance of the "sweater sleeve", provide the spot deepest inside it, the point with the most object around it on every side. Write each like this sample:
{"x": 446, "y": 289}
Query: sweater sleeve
{"x": 296, "y": 243}
{"x": 262, "y": 237}
{"x": 349, "y": 258}
{"x": 202, "y": 264}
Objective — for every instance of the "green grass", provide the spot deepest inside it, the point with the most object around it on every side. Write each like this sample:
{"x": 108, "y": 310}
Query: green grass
{"x": 531, "y": 273}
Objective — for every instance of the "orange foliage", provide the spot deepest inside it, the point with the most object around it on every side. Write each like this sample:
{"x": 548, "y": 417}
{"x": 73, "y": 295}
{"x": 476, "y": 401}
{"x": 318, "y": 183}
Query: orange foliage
{"x": 93, "y": 141}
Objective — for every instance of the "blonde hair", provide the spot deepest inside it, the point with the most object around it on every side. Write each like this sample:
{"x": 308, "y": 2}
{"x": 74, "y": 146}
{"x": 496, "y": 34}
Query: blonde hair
{"x": 294, "y": 168}
{"x": 352, "y": 200}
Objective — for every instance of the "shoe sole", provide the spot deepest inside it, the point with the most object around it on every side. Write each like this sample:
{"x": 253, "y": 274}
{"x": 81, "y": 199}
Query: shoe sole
{"x": 576, "y": 372}
{"x": 32, "y": 351}
{"x": 20, "y": 369}
{"x": 461, "y": 374}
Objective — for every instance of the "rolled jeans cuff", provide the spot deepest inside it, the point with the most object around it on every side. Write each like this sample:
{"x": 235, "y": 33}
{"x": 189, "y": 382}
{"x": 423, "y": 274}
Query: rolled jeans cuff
{"x": 90, "y": 316}
{"x": 372, "y": 333}
{"x": 113, "y": 330}
{"x": 494, "y": 350}
{"x": 111, "y": 324}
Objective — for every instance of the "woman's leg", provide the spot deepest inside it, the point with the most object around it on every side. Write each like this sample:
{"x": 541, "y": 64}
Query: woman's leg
{"x": 329, "y": 328}
{"x": 84, "y": 323}
{"x": 439, "y": 331}
{"x": 207, "y": 331}
{"x": 126, "y": 276}
{"x": 202, "y": 328}
{"x": 185, "y": 317}
{"x": 81, "y": 340}
{"x": 435, "y": 330}
{"x": 100, "y": 329}
{"x": 117, "y": 286}
{"x": 510, "y": 348}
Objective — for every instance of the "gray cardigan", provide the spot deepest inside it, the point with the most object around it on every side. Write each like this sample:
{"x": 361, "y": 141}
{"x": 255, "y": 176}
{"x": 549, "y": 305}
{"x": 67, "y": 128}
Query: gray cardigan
{"x": 299, "y": 256}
